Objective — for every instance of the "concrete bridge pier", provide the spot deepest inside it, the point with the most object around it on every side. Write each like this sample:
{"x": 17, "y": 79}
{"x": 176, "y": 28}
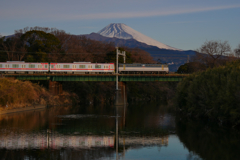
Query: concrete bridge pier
{"x": 120, "y": 104}
{"x": 121, "y": 94}
{"x": 55, "y": 88}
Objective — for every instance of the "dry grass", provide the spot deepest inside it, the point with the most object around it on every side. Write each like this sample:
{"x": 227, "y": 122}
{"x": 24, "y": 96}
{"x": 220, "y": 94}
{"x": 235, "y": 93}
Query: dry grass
{"x": 18, "y": 94}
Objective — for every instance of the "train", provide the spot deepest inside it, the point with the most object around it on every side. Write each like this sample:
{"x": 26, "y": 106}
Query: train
{"x": 21, "y": 67}
{"x": 139, "y": 68}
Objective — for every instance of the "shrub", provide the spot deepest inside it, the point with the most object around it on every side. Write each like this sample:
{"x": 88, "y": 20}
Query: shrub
{"x": 213, "y": 94}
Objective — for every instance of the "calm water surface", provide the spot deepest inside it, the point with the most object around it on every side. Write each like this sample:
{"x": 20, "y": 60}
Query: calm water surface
{"x": 138, "y": 131}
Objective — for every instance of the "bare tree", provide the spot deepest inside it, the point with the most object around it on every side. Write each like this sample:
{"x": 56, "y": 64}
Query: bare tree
{"x": 215, "y": 49}
{"x": 20, "y": 45}
{"x": 9, "y": 46}
{"x": 237, "y": 51}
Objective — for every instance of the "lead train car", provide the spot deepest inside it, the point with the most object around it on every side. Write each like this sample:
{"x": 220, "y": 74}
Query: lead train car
{"x": 82, "y": 68}
{"x": 143, "y": 68}
{"x": 22, "y": 67}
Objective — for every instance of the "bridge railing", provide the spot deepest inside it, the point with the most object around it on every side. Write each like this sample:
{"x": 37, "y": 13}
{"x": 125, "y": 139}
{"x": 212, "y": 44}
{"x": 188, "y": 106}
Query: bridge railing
{"x": 99, "y": 77}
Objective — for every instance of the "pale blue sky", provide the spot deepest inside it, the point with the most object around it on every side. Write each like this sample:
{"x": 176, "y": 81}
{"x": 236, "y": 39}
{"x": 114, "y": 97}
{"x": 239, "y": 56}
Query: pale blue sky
{"x": 183, "y": 24}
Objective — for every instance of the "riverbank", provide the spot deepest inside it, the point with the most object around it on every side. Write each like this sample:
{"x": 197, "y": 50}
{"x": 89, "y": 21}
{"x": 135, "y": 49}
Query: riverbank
{"x": 18, "y": 95}
{"x": 16, "y": 110}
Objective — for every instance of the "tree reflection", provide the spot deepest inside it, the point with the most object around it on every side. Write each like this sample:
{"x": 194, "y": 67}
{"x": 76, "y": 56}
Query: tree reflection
{"x": 209, "y": 142}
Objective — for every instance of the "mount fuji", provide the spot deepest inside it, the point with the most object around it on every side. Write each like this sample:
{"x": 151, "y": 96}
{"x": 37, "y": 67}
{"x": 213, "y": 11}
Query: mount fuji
{"x": 123, "y": 35}
{"x": 122, "y": 31}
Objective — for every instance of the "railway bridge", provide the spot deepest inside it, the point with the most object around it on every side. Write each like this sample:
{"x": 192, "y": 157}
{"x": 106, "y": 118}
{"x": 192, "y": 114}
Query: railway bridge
{"x": 98, "y": 77}
{"x": 56, "y": 79}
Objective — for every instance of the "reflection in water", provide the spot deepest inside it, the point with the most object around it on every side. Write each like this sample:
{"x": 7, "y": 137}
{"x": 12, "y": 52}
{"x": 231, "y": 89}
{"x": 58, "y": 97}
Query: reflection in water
{"x": 129, "y": 141}
{"x": 143, "y": 141}
{"x": 32, "y": 120}
{"x": 56, "y": 129}
{"x": 57, "y": 141}
{"x": 91, "y": 132}
{"x": 42, "y": 141}
{"x": 210, "y": 142}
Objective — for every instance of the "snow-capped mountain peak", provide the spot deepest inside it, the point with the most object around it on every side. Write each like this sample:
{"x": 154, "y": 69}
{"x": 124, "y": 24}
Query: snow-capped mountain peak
{"x": 122, "y": 31}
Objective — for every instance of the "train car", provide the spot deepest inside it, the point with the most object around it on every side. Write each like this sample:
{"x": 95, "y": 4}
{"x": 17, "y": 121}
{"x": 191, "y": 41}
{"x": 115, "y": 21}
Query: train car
{"x": 143, "y": 68}
{"x": 22, "y": 67}
{"x": 82, "y": 68}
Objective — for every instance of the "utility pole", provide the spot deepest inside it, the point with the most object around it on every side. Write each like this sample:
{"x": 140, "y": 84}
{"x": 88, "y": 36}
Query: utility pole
{"x": 124, "y": 58}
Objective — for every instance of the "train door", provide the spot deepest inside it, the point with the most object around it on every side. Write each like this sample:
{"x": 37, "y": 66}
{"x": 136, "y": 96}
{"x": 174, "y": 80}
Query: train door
{"x": 39, "y": 68}
{"x": 6, "y": 67}
{"x": 74, "y": 67}
{"x": 58, "y": 67}
{"x": 23, "y": 68}
{"x": 89, "y": 68}
{"x": 105, "y": 68}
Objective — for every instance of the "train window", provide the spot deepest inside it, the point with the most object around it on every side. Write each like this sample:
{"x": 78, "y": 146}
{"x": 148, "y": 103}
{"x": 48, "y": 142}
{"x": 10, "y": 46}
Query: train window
{"x": 31, "y": 65}
{"x": 82, "y": 66}
{"x": 97, "y": 66}
{"x": 0, "y": 65}
{"x": 105, "y": 66}
{"x": 23, "y": 66}
{"x": 46, "y": 66}
{"x": 52, "y": 66}
{"x": 39, "y": 66}
{"x": 89, "y": 66}
{"x": 66, "y": 66}
{"x": 15, "y": 66}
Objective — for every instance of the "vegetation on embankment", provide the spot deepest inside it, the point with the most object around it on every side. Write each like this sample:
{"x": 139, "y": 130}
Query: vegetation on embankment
{"x": 213, "y": 94}
{"x": 151, "y": 91}
{"x": 92, "y": 92}
{"x": 104, "y": 92}
{"x": 19, "y": 94}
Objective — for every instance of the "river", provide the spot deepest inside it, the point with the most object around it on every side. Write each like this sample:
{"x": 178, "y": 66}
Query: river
{"x": 135, "y": 131}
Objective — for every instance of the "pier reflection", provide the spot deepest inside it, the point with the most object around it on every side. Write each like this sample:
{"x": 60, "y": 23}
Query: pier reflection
{"x": 131, "y": 138}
